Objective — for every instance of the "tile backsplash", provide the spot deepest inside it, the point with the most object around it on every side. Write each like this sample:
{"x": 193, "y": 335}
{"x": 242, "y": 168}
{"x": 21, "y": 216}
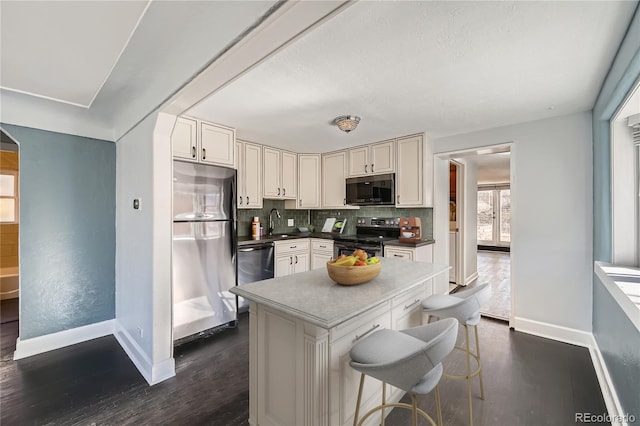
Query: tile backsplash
{"x": 316, "y": 217}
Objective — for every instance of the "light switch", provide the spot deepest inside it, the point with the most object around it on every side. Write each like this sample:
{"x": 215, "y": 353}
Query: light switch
{"x": 136, "y": 204}
{"x": 290, "y": 222}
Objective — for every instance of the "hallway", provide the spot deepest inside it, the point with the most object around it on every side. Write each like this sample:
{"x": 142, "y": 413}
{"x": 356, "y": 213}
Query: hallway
{"x": 495, "y": 267}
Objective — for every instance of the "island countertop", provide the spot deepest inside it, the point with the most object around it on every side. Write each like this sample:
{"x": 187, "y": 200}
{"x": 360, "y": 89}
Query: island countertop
{"x": 313, "y": 297}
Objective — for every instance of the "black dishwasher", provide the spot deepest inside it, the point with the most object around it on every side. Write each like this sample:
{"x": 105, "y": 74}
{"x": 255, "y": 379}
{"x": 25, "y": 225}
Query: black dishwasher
{"x": 255, "y": 263}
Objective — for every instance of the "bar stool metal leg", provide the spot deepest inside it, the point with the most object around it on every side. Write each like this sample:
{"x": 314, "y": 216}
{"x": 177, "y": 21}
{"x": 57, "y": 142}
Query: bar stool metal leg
{"x": 479, "y": 362}
{"x": 438, "y": 407}
{"x": 357, "y": 413}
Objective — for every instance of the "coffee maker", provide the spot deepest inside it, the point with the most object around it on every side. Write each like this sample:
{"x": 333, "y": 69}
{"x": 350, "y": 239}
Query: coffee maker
{"x": 410, "y": 230}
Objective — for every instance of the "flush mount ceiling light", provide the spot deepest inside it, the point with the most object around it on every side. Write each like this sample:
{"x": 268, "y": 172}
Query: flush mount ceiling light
{"x": 347, "y": 123}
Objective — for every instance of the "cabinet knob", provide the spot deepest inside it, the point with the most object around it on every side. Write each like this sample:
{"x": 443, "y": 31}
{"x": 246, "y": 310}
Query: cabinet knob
{"x": 278, "y": 192}
{"x": 284, "y": 192}
{"x": 290, "y": 260}
{"x": 247, "y": 200}
{"x": 365, "y": 168}
{"x": 296, "y": 259}
{"x": 204, "y": 153}
{"x": 193, "y": 151}
{"x": 241, "y": 200}
{"x": 300, "y": 202}
{"x": 371, "y": 167}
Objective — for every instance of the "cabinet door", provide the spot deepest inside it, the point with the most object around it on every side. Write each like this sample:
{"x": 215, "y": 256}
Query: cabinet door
{"x": 319, "y": 260}
{"x": 399, "y": 253}
{"x": 309, "y": 181}
{"x": 382, "y": 157}
{"x": 333, "y": 179}
{"x": 183, "y": 139}
{"x": 217, "y": 144}
{"x": 239, "y": 160}
{"x": 359, "y": 161}
{"x": 300, "y": 262}
{"x": 283, "y": 265}
{"x": 271, "y": 172}
{"x": 414, "y": 182}
{"x": 289, "y": 173}
{"x": 252, "y": 176}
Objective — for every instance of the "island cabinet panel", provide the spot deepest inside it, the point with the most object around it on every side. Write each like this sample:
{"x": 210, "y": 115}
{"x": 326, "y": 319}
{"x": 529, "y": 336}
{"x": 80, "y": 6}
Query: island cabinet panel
{"x": 344, "y": 380}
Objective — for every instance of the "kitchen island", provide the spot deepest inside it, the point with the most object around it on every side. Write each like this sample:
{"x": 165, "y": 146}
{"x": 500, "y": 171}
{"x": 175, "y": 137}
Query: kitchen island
{"x": 302, "y": 327}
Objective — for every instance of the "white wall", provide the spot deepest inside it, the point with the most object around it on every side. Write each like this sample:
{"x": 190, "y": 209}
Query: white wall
{"x": 551, "y": 248}
{"x": 143, "y": 247}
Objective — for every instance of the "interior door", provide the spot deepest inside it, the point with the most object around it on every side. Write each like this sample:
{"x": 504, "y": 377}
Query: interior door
{"x": 494, "y": 216}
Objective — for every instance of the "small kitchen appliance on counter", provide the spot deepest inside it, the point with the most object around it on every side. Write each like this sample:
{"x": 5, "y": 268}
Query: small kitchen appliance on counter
{"x": 410, "y": 230}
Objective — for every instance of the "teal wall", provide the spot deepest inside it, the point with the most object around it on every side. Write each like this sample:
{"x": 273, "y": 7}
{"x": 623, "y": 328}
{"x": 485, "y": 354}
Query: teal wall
{"x": 617, "y": 337}
{"x": 67, "y": 230}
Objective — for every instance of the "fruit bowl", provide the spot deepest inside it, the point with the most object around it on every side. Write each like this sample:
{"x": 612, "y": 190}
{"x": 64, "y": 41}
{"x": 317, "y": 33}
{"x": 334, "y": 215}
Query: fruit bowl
{"x": 352, "y": 275}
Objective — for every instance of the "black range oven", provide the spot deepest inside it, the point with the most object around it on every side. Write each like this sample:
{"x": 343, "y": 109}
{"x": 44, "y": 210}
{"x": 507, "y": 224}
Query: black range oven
{"x": 371, "y": 233}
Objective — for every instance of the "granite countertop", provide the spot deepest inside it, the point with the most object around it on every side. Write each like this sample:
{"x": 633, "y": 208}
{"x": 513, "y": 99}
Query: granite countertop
{"x": 419, "y": 243}
{"x": 313, "y": 297}
{"x": 245, "y": 240}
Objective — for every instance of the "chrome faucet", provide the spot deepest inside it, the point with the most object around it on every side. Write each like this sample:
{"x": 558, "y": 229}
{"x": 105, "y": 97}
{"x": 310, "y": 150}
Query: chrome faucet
{"x": 270, "y": 230}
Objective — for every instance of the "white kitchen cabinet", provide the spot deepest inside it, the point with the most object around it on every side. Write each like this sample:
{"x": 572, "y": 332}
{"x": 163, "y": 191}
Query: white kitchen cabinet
{"x": 334, "y": 173}
{"x": 217, "y": 144}
{"x": 377, "y": 158}
{"x": 183, "y": 139}
{"x": 308, "y": 182}
{"x": 291, "y": 257}
{"x": 414, "y": 176}
{"x": 280, "y": 174}
{"x": 249, "y": 163}
{"x": 321, "y": 253}
{"x": 203, "y": 142}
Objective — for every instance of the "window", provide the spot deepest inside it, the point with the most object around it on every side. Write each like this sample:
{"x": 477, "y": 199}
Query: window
{"x": 9, "y": 197}
{"x": 494, "y": 215}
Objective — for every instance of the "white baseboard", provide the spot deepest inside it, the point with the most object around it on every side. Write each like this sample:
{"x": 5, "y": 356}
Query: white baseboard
{"x": 49, "y": 342}
{"x": 471, "y": 278}
{"x": 152, "y": 373}
{"x": 609, "y": 393}
{"x": 553, "y": 332}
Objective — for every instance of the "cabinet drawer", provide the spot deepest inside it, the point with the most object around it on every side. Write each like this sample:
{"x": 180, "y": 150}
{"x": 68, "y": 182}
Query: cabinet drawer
{"x": 376, "y": 319}
{"x": 291, "y": 246}
{"x": 322, "y": 246}
{"x": 399, "y": 253}
{"x": 409, "y": 299}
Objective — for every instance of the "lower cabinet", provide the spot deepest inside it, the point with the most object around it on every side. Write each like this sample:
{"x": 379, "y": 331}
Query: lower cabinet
{"x": 321, "y": 253}
{"x": 291, "y": 257}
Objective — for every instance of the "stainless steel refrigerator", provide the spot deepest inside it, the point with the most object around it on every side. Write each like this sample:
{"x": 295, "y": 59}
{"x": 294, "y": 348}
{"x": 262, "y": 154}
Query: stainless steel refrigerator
{"x": 204, "y": 249}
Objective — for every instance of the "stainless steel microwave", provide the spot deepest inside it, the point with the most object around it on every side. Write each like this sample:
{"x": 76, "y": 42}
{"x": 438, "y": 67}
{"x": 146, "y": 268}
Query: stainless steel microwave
{"x": 374, "y": 190}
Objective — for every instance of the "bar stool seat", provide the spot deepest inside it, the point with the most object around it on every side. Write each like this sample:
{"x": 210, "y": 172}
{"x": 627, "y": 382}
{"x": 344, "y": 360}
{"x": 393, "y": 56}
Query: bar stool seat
{"x": 465, "y": 307}
{"x": 408, "y": 359}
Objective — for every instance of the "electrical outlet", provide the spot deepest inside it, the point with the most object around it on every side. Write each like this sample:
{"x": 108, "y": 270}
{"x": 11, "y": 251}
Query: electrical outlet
{"x": 140, "y": 332}
{"x": 290, "y": 222}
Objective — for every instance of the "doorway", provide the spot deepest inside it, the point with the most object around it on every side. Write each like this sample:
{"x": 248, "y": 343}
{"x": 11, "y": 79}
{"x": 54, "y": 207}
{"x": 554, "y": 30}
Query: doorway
{"x": 483, "y": 184}
{"x": 9, "y": 230}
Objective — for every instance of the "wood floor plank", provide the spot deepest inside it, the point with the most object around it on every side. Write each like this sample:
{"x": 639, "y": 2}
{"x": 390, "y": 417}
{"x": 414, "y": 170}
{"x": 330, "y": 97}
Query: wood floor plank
{"x": 528, "y": 381}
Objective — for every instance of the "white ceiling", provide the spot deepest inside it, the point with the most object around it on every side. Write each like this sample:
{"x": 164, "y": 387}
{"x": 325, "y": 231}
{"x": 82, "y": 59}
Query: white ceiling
{"x": 441, "y": 67}
{"x": 68, "y": 59}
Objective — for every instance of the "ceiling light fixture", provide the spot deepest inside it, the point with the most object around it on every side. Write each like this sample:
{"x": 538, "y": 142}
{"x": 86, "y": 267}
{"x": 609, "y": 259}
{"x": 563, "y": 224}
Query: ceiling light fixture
{"x": 347, "y": 123}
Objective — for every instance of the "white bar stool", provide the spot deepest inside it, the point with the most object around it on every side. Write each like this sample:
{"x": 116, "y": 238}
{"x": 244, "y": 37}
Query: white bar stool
{"x": 465, "y": 307}
{"x": 408, "y": 359}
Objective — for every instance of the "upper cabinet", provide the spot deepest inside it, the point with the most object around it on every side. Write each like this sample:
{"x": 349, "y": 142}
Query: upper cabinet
{"x": 308, "y": 182}
{"x": 414, "y": 175}
{"x": 249, "y": 163}
{"x": 334, "y": 173}
{"x": 280, "y": 173}
{"x": 371, "y": 159}
{"x": 201, "y": 142}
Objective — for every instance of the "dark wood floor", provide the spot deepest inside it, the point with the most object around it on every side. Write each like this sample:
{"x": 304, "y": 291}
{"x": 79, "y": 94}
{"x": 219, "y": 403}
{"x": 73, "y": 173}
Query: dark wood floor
{"x": 528, "y": 381}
